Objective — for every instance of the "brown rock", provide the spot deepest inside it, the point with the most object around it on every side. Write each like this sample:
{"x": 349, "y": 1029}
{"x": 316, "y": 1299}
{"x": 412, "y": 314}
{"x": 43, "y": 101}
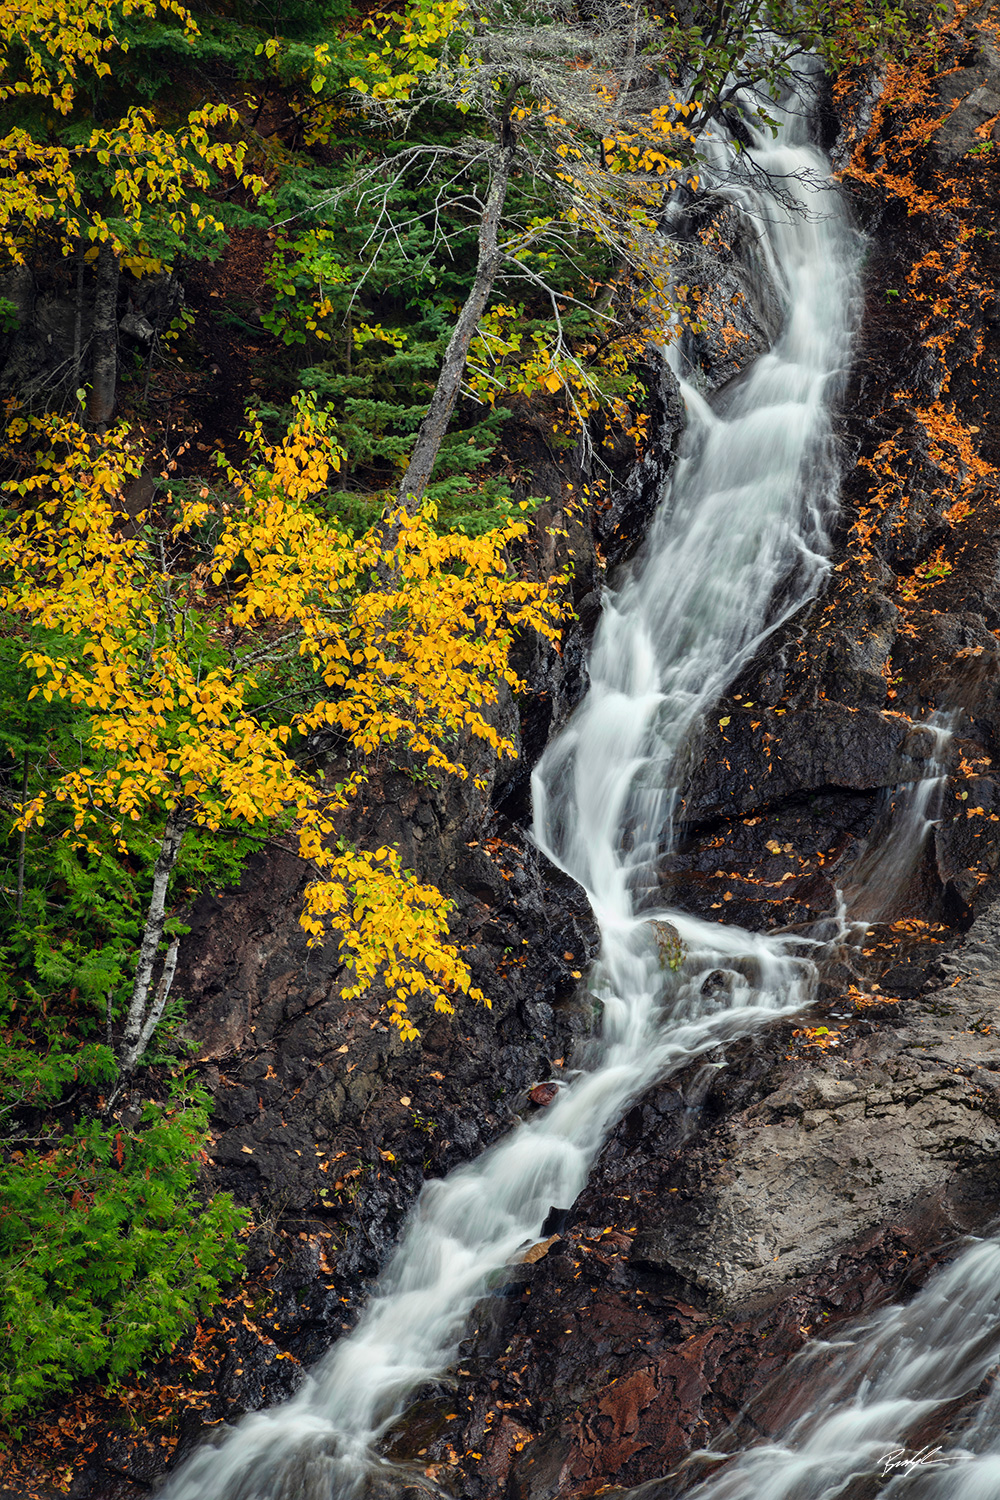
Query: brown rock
{"x": 543, "y": 1093}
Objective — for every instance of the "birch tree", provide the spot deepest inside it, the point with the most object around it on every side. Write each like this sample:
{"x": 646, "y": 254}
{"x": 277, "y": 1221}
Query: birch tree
{"x": 173, "y": 648}
{"x": 552, "y": 101}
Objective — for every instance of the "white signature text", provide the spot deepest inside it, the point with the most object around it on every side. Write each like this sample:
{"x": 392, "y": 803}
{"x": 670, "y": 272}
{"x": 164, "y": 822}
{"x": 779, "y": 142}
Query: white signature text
{"x": 901, "y": 1460}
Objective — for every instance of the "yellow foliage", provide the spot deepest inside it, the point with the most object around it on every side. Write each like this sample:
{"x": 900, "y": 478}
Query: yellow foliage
{"x": 503, "y": 360}
{"x": 408, "y": 643}
{"x": 43, "y": 45}
{"x": 53, "y": 41}
{"x": 408, "y": 46}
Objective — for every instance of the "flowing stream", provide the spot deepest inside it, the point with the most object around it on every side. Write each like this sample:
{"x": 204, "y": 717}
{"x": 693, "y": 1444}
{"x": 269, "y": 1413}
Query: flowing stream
{"x": 879, "y": 878}
{"x": 738, "y": 544}
{"x": 864, "y": 1411}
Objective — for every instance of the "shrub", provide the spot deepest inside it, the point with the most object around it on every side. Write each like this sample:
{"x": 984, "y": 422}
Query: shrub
{"x": 106, "y": 1251}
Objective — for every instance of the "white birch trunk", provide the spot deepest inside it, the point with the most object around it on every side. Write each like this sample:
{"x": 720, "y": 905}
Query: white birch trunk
{"x": 143, "y": 1016}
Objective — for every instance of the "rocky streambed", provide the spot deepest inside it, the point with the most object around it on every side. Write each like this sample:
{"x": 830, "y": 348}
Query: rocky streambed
{"x": 767, "y": 1195}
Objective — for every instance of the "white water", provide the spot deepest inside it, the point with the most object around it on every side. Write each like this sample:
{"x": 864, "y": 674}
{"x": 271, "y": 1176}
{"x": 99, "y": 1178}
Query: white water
{"x": 738, "y": 544}
{"x": 878, "y": 880}
{"x": 877, "y": 1392}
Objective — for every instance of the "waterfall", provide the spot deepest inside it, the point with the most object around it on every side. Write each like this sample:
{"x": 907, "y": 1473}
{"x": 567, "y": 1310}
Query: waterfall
{"x": 879, "y": 878}
{"x": 738, "y": 544}
{"x": 861, "y": 1408}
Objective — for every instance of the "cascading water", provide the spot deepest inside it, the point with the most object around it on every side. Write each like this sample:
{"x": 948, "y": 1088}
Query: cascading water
{"x": 879, "y": 878}
{"x": 738, "y": 545}
{"x": 861, "y": 1408}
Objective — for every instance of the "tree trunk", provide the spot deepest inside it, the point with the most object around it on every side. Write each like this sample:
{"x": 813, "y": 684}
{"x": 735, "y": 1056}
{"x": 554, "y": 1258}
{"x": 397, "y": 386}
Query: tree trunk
{"x": 104, "y": 340}
{"x": 449, "y": 382}
{"x": 78, "y": 325}
{"x": 142, "y": 1017}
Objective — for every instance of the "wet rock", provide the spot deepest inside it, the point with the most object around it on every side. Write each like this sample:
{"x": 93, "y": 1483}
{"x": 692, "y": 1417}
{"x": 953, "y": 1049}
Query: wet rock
{"x": 543, "y": 1093}
{"x": 555, "y": 1221}
{"x": 741, "y": 312}
{"x": 705, "y": 1248}
{"x": 620, "y": 527}
{"x": 791, "y": 1185}
{"x": 973, "y": 94}
{"x": 669, "y": 946}
{"x": 758, "y": 758}
{"x": 401, "y": 1486}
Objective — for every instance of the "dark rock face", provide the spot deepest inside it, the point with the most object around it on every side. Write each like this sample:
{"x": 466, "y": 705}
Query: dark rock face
{"x": 759, "y": 759}
{"x": 741, "y": 311}
{"x": 973, "y": 94}
{"x": 303, "y": 1079}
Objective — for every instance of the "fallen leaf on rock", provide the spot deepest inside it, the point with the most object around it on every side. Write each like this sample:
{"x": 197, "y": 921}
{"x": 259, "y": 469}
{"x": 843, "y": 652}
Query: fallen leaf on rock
{"x": 543, "y": 1093}
{"x": 538, "y": 1251}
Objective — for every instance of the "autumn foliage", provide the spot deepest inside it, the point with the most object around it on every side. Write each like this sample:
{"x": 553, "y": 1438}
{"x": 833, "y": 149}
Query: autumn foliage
{"x": 929, "y": 455}
{"x": 145, "y": 172}
{"x": 175, "y": 631}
